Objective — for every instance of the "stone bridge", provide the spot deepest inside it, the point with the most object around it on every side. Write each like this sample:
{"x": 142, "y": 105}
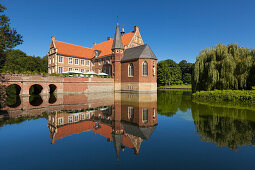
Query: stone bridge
{"x": 45, "y": 84}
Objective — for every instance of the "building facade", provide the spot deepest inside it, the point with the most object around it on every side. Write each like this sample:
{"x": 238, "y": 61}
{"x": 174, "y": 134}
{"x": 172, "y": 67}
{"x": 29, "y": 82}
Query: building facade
{"x": 124, "y": 57}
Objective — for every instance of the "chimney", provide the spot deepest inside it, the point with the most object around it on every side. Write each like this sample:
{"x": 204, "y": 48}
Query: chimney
{"x": 53, "y": 37}
{"x": 108, "y": 38}
{"x": 136, "y": 28}
{"x": 122, "y": 31}
{"x": 94, "y": 43}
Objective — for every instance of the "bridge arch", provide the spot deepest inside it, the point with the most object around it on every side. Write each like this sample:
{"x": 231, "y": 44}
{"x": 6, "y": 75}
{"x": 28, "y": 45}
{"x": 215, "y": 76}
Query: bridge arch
{"x": 13, "y": 89}
{"x": 35, "y": 89}
{"x": 52, "y": 88}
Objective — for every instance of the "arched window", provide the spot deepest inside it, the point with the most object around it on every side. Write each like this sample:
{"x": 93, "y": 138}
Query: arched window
{"x": 145, "y": 68}
{"x": 131, "y": 70}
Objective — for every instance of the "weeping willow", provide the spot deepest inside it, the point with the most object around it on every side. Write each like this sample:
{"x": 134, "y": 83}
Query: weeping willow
{"x": 224, "y": 67}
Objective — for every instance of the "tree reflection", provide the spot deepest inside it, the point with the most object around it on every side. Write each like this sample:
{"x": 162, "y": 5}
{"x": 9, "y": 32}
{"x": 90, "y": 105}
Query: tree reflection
{"x": 170, "y": 101}
{"x": 229, "y": 127}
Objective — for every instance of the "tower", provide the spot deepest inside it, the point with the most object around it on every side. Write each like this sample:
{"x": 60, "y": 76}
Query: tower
{"x": 117, "y": 53}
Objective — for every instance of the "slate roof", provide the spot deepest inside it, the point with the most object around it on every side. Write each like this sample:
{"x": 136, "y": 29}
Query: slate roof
{"x": 117, "y": 42}
{"x": 143, "y": 132}
{"x": 142, "y": 51}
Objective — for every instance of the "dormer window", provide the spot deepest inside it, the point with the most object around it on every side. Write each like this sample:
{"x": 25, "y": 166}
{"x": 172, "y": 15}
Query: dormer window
{"x": 117, "y": 51}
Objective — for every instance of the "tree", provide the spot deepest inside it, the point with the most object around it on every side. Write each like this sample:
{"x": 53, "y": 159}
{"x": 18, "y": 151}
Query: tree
{"x": 8, "y": 36}
{"x": 223, "y": 67}
{"x": 168, "y": 72}
{"x": 186, "y": 69}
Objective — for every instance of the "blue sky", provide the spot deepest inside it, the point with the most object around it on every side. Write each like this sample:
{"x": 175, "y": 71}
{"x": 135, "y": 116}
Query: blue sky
{"x": 175, "y": 29}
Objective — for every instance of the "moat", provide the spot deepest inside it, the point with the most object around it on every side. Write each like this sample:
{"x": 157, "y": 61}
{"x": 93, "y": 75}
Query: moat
{"x": 166, "y": 130}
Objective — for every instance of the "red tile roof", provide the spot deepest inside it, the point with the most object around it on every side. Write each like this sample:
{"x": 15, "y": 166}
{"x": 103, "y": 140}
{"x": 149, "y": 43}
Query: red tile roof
{"x": 76, "y": 128}
{"x": 106, "y": 46}
{"x": 74, "y": 50}
{"x": 84, "y": 52}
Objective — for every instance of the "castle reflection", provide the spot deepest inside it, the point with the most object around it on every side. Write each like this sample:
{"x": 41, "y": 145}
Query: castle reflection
{"x": 130, "y": 119}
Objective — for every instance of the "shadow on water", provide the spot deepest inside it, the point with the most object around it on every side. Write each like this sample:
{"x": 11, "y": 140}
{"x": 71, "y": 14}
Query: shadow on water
{"x": 35, "y": 100}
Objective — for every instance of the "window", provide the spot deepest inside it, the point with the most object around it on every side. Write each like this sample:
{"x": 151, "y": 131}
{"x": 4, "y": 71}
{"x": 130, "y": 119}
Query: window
{"x": 60, "y": 121}
{"x": 93, "y": 63}
{"x": 87, "y": 71}
{"x": 53, "y": 58}
{"x": 82, "y": 117}
{"x": 131, "y": 70}
{"x": 82, "y": 62}
{"x": 154, "y": 69}
{"x": 87, "y": 63}
{"x": 87, "y": 116}
{"x": 145, "y": 68}
{"x": 70, "y": 69}
{"x": 49, "y": 60}
{"x": 82, "y": 70}
{"x": 154, "y": 113}
{"x": 99, "y": 62}
{"x": 70, "y": 60}
{"x": 70, "y": 119}
{"x": 60, "y": 69}
{"x": 145, "y": 115}
{"x": 76, "y": 118}
{"x": 76, "y": 61}
{"x": 60, "y": 59}
{"x": 76, "y": 69}
{"x": 131, "y": 113}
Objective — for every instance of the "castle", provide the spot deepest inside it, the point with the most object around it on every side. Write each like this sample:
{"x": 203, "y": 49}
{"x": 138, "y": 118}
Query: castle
{"x": 131, "y": 63}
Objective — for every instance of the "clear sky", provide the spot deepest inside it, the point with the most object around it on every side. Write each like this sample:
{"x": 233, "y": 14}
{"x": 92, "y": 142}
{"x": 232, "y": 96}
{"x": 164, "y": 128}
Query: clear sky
{"x": 175, "y": 29}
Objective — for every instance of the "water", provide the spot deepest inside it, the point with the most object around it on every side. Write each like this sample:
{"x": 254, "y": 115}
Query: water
{"x": 125, "y": 131}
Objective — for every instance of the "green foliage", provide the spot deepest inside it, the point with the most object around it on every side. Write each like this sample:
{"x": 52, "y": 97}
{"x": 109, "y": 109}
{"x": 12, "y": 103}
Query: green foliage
{"x": 17, "y": 61}
{"x": 168, "y": 72}
{"x": 170, "y": 101}
{"x": 8, "y": 36}
{"x": 226, "y": 95}
{"x": 186, "y": 69}
{"x": 224, "y": 67}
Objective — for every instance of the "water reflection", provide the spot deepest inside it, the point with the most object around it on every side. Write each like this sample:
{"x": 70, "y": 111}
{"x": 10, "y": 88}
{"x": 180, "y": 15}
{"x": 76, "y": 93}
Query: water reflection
{"x": 229, "y": 127}
{"x": 224, "y": 125}
{"x": 13, "y": 101}
{"x": 131, "y": 119}
{"x": 35, "y": 100}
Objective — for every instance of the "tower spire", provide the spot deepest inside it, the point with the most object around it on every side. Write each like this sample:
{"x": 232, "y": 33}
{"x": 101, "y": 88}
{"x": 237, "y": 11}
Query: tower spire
{"x": 117, "y": 42}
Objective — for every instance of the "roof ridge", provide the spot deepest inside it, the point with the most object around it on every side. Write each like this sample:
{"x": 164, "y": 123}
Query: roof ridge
{"x": 73, "y": 44}
{"x": 112, "y": 39}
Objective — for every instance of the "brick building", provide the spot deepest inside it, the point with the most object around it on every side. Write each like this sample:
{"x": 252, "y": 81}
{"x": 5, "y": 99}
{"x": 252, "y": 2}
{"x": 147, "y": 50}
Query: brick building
{"x": 127, "y": 123}
{"x": 125, "y": 57}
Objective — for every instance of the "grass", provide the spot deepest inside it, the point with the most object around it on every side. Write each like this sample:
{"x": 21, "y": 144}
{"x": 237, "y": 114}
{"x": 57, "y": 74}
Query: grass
{"x": 226, "y": 95}
{"x": 177, "y": 86}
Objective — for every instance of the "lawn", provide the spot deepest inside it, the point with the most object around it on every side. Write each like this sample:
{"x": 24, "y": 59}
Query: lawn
{"x": 179, "y": 86}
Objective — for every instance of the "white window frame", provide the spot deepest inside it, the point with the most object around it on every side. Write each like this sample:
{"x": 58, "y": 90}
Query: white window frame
{"x": 82, "y": 70}
{"x": 76, "y": 59}
{"x": 76, "y": 118}
{"x": 70, "y": 60}
{"x": 129, "y": 71}
{"x": 70, "y": 69}
{"x": 82, "y": 62}
{"x": 143, "y": 112}
{"x": 76, "y": 69}
{"x": 60, "y": 59}
{"x": 60, "y": 121}
{"x": 82, "y": 116}
{"x": 70, "y": 119}
{"x": 87, "y": 63}
{"x": 59, "y": 70}
{"x": 130, "y": 111}
{"x": 145, "y": 75}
